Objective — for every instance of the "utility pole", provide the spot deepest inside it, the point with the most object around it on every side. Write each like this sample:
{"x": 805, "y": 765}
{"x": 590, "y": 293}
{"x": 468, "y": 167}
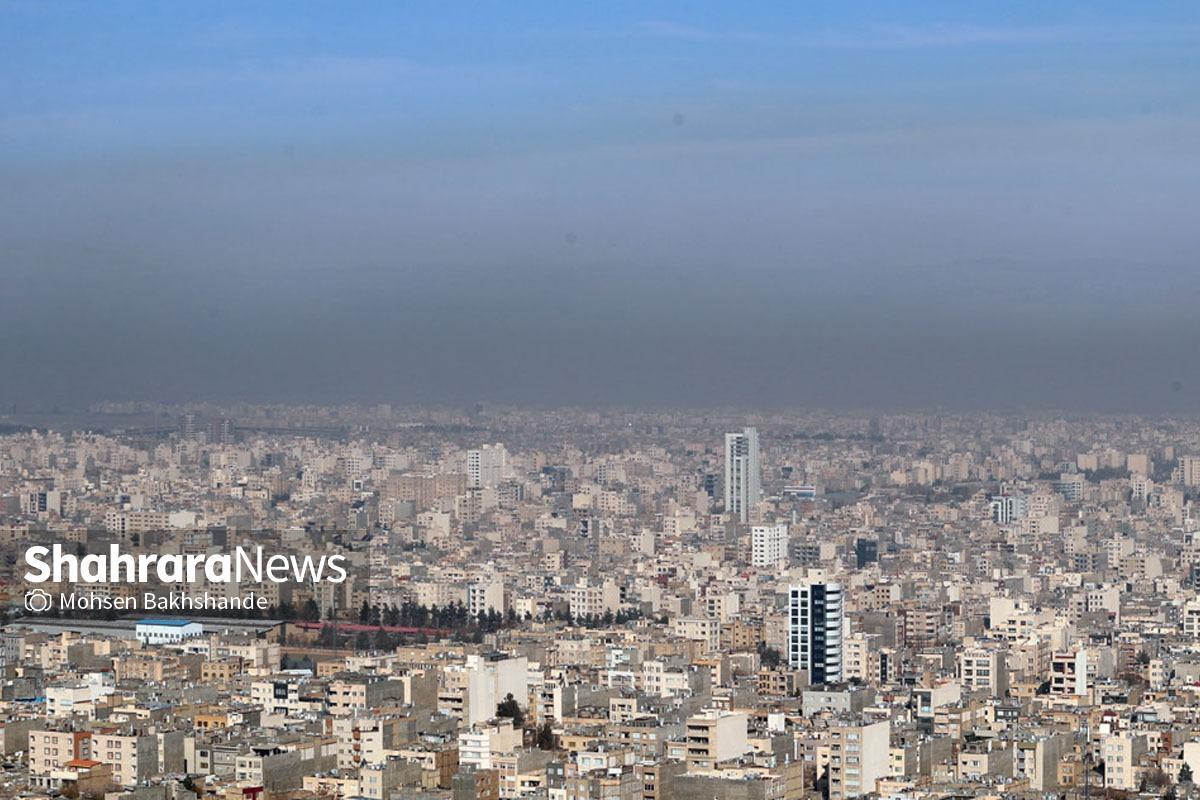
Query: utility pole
{"x": 1087, "y": 758}
{"x": 333, "y": 594}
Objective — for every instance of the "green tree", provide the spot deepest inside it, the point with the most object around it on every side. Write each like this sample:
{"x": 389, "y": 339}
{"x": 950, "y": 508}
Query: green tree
{"x": 311, "y": 612}
{"x": 769, "y": 656}
{"x": 546, "y": 740}
{"x": 510, "y": 708}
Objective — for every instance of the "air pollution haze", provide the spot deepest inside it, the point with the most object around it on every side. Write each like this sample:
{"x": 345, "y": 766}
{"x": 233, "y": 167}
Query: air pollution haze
{"x": 561, "y": 206}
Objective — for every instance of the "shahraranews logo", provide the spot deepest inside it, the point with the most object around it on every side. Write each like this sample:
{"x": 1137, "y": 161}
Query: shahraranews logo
{"x": 241, "y": 565}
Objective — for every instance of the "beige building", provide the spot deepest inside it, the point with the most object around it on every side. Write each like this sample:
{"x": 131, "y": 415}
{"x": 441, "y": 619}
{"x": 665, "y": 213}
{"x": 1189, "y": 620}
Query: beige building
{"x": 985, "y": 669}
{"x": 859, "y": 755}
{"x": 49, "y": 751}
{"x": 133, "y": 758}
{"x": 715, "y": 736}
{"x": 1121, "y": 754}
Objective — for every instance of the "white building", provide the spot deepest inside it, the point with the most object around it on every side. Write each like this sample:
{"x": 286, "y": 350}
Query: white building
{"x": 591, "y": 601}
{"x": 166, "y": 631}
{"x": 815, "y": 631}
{"x": 488, "y": 680}
{"x": 769, "y": 545}
{"x": 485, "y": 466}
{"x": 67, "y": 700}
{"x": 485, "y": 596}
{"x": 742, "y": 471}
{"x": 1189, "y": 470}
{"x": 1191, "y": 619}
{"x": 1008, "y": 508}
{"x": 478, "y": 744}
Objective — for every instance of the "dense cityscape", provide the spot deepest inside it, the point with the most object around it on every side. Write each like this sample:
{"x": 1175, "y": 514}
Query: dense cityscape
{"x": 575, "y": 605}
{"x": 599, "y": 401}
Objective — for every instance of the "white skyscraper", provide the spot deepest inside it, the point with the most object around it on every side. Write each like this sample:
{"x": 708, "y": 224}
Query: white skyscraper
{"x": 485, "y": 467}
{"x": 769, "y": 545}
{"x": 815, "y": 632}
{"x": 741, "y": 473}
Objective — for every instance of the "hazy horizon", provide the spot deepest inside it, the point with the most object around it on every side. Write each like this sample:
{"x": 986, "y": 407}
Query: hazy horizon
{"x": 648, "y": 205}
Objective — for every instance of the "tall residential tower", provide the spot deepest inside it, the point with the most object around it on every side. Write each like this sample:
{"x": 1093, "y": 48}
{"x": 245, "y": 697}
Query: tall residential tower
{"x": 741, "y": 473}
{"x": 485, "y": 467}
{"x": 815, "y": 632}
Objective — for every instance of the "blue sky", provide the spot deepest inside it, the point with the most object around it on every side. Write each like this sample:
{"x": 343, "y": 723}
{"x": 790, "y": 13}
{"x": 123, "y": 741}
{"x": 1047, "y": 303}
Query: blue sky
{"x": 840, "y": 204}
{"x": 95, "y": 79}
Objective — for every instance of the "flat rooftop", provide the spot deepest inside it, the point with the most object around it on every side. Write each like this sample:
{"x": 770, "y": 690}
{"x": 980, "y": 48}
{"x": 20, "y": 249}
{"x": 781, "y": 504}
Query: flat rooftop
{"x": 128, "y": 626}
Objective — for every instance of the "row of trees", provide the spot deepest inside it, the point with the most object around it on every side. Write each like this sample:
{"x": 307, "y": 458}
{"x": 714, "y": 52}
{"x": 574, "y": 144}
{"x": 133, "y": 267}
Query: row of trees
{"x": 605, "y": 620}
{"x": 456, "y": 616}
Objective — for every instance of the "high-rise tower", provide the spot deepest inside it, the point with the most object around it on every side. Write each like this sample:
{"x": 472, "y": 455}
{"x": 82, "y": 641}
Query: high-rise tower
{"x": 485, "y": 466}
{"x": 741, "y": 473}
{"x": 815, "y": 632}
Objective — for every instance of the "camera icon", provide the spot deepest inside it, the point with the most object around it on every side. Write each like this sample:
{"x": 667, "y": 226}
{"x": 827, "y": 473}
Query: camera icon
{"x": 38, "y": 601}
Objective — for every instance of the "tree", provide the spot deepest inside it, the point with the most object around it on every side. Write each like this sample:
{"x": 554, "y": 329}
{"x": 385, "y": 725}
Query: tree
{"x": 364, "y": 612}
{"x": 288, "y": 662}
{"x": 546, "y": 740}
{"x": 1156, "y": 779}
{"x": 510, "y": 708}
{"x": 328, "y": 636}
{"x": 1185, "y": 773}
{"x": 311, "y": 612}
{"x": 770, "y": 657}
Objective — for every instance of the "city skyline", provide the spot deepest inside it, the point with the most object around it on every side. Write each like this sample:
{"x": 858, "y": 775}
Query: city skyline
{"x": 568, "y": 605}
